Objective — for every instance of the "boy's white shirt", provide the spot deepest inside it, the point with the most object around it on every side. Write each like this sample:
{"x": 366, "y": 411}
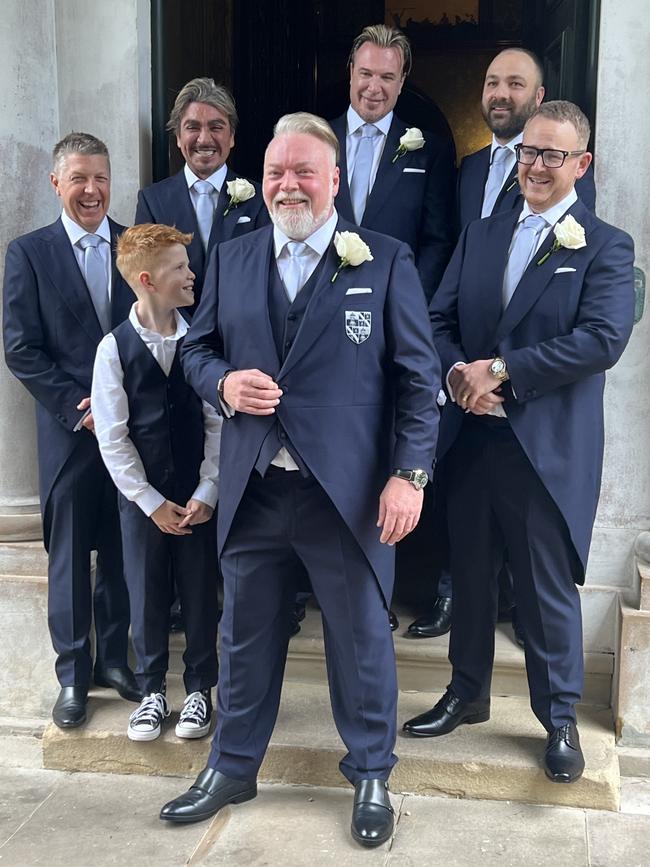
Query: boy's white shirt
{"x": 110, "y": 409}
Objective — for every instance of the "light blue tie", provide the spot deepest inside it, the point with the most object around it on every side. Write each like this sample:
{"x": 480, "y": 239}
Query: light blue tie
{"x": 293, "y": 278}
{"x": 523, "y": 248}
{"x": 97, "y": 279}
{"x": 360, "y": 185}
{"x": 495, "y": 180}
{"x": 204, "y": 209}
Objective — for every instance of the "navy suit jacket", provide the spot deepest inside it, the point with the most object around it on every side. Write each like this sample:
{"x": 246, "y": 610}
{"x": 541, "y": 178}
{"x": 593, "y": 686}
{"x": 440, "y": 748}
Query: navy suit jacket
{"x": 51, "y": 332}
{"x": 558, "y": 335}
{"x": 412, "y": 198}
{"x": 472, "y": 177}
{"x": 353, "y": 411}
{"x": 169, "y": 202}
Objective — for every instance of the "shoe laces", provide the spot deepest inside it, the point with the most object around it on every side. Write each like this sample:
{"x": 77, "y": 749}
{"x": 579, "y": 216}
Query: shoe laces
{"x": 152, "y": 709}
{"x": 195, "y": 708}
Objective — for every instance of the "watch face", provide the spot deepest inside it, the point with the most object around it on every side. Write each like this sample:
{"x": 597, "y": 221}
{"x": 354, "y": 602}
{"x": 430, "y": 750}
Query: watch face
{"x": 420, "y": 478}
{"x": 497, "y": 366}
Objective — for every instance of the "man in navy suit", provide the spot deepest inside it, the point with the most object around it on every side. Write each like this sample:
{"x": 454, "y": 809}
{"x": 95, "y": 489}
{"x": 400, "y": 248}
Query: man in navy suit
{"x": 535, "y": 306}
{"x": 62, "y": 292}
{"x": 326, "y": 375}
{"x": 488, "y": 184}
{"x": 405, "y": 193}
{"x": 196, "y": 199}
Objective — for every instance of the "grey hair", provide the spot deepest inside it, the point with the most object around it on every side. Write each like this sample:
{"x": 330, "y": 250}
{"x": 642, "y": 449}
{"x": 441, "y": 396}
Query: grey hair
{"x": 384, "y": 37}
{"x": 565, "y": 112}
{"x": 308, "y": 124}
{"x": 202, "y": 90}
{"x": 78, "y": 143}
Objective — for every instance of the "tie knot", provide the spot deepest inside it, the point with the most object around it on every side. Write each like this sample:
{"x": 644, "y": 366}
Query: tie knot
{"x": 534, "y": 222}
{"x": 203, "y": 188}
{"x": 89, "y": 241}
{"x": 369, "y": 130}
{"x": 296, "y": 249}
{"x": 500, "y": 155}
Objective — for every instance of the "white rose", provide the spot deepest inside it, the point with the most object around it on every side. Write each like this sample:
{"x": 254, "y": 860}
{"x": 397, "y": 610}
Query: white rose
{"x": 412, "y": 140}
{"x": 570, "y": 233}
{"x": 351, "y": 248}
{"x": 240, "y": 190}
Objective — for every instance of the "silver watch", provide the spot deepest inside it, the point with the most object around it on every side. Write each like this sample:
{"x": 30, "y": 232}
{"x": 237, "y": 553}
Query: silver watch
{"x": 418, "y": 478}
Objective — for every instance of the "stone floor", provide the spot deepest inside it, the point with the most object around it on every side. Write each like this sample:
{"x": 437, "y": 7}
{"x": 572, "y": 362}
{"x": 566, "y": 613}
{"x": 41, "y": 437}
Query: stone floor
{"x": 61, "y": 819}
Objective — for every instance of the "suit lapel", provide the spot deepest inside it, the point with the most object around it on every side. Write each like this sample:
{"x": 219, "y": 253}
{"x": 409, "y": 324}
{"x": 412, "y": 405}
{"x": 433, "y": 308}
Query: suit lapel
{"x": 343, "y": 200}
{"x": 475, "y": 185}
{"x": 536, "y": 277}
{"x": 178, "y": 202}
{"x": 388, "y": 172}
{"x": 508, "y": 193}
{"x": 122, "y": 296}
{"x": 254, "y": 279}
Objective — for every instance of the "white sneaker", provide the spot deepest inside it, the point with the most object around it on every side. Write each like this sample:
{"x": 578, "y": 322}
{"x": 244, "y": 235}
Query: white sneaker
{"x": 146, "y": 721}
{"x": 196, "y": 716}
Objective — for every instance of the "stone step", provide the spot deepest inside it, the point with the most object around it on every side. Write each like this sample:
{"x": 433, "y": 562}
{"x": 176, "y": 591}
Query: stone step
{"x": 422, "y": 664}
{"x": 498, "y": 760}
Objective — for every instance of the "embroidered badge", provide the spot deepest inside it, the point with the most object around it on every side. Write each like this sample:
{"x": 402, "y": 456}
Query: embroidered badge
{"x": 358, "y": 325}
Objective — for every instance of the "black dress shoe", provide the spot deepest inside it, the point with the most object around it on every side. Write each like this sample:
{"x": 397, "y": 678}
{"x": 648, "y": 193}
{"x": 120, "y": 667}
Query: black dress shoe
{"x": 563, "y": 760}
{"x": 394, "y": 622}
{"x": 438, "y": 624}
{"x": 121, "y": 679}
{"x": 516, "y": 626}
{"x": 445, "y": 716}
{"x": 70, "y": 708}
{"x": 372, "y": 815}
{"x": 211, "y": 791}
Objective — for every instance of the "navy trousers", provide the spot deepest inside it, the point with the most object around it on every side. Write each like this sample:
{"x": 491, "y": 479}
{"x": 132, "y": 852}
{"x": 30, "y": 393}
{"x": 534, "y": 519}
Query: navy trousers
{"x": 81, "y": 516}
{"x": 497, "y": 502}
{"x": 148, "y": 555}
{"x": 286, "y": 523}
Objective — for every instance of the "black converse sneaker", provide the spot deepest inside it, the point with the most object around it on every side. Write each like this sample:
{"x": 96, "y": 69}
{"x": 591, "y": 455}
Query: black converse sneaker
{"x": 146, "y": 721}
{"x": 196, "y": 715}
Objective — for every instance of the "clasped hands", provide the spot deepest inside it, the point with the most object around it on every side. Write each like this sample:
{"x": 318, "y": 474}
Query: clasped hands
{"x": 475, "y": 388}
{"x": 177, "y": 520}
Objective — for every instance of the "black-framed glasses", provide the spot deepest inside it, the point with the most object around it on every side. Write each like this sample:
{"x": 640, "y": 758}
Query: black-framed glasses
{"x": 552, "y": 158}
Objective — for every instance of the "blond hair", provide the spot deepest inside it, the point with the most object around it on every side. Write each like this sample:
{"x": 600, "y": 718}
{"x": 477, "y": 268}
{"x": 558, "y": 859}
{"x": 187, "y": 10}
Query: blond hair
{"x": 563, "y": 111}
{"x": 138, "y": 248}
{"x": 308, "y": 124}
{"x": 384, "y": 37}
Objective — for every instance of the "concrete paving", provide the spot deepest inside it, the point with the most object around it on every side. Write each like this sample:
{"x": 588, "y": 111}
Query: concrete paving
{"x": 59, "y": 819}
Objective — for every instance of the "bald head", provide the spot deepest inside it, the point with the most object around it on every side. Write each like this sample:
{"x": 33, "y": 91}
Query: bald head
{"x": 511, "y": 92}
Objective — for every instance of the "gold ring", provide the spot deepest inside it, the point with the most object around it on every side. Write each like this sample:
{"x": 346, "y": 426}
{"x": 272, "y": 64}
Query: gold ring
{"x": 465, "y": 397}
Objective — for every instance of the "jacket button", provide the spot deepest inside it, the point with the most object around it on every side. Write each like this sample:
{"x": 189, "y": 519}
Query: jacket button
{"x": 291, "y": 317}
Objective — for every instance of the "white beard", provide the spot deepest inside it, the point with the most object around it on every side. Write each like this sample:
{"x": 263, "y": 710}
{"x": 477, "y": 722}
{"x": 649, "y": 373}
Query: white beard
{"x": 300, "y": 223}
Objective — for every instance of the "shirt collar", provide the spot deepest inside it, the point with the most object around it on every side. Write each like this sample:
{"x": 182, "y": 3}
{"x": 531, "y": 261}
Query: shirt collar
{"x": 216, "y": 178}
{"x": 553, "y": 214}
{"x": 75, "y": 232}
{"x": 355, "y": 122}
{"x": 154, "y": 336}
{"x": 318, "y": 241}
{"x": 509, "y": 144}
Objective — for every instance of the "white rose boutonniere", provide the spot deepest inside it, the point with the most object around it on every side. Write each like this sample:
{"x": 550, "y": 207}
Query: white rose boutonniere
{"x": 569, "y": 234}
{"x": 412, "y": 140}
{"x": 351, "y": 249}
{"x": 240, "y": 190}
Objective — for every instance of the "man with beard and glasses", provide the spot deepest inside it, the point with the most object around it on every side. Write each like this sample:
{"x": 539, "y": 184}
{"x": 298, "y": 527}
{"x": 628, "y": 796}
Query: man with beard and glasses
{"x": 196, "y": 200}
{"x": 487, "y": 184}
{"x": 325, "y": 373}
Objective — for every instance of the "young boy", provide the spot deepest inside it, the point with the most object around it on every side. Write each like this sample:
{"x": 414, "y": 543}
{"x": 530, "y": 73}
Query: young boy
{"x": 160, "y": 444}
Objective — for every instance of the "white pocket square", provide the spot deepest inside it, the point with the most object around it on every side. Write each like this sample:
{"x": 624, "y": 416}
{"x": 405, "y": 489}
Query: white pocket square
{"x": 564, "y": 270}
{"x": 415, "y": 171}
{"x": 359, "y": 290}
{"x": 244, "y": 220}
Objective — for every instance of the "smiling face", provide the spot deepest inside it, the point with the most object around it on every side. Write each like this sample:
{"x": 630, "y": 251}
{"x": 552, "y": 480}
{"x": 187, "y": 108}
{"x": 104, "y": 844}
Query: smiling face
{"x": 84, "y": 185}
{"x": 205, "y": 138}
{"x": 300, "y": 182}
{"x": 171, "y": 277}
{"x": 511, "y": 93}
{"x": 543, "y": 187}
{"x": 376, "y": 81}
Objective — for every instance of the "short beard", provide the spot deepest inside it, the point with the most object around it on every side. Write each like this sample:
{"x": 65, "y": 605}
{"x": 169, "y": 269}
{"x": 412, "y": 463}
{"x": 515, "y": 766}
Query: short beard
{"x": 298, "y": 224}
{"x": 511, "y": 126}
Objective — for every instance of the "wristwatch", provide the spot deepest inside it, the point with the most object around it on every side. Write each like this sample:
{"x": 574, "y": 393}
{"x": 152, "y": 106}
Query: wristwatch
{"x": 498, "y": 368}
{"x": 418, "y": 478}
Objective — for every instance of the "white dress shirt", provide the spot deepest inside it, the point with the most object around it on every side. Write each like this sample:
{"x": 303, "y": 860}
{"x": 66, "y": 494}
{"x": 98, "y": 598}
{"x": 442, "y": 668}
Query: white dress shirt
{"x": 75, "y": 233}
{"x": 353, "y": 139}
{"x": 110, "y": 409}
{"x": 552, "y": 216}
{"x": 217, "y": 179}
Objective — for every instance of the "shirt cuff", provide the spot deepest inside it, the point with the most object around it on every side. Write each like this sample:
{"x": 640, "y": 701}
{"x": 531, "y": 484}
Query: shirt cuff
{"x": 149, "y": 500}
{"x": 207, "y": 492}
{"x": 450, "y": 390}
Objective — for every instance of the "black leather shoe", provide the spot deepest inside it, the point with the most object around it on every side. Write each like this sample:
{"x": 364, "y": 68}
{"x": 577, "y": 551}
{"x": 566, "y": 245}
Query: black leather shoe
{"x": 563, "y": 760}
{"x": 439, "y": 623}
{"x": 372, "y": 815}
{"x": 70, "y": 708}
{"x": 445, "y": 716}
{"x": 121, "y": 679}
{"x": 516, "y": 626}
{"x": 394, "y": 622}
{"x": 211, "y": 791}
